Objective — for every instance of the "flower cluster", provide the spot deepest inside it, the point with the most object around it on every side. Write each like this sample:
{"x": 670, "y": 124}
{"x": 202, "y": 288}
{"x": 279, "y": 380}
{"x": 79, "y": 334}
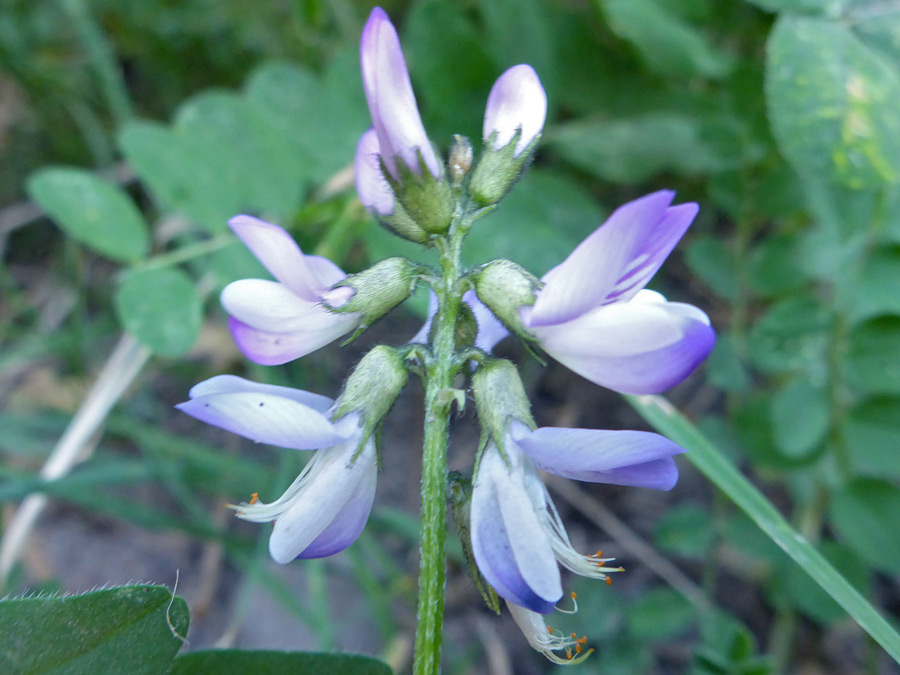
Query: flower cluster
{"x": 591, "y": 313}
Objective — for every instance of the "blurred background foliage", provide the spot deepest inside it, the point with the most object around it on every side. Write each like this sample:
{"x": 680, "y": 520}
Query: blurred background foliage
{"x": 131, "y": 131}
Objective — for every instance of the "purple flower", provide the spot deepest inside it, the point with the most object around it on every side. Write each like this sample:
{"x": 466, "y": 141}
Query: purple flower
{"x": 374, "y": 191}
{"x": 517, "y": 101}
{"x": 326, "y": 507}
{"x": 593, "y": 315}
{"x": 392, "y": 104}
{"x": 517, "y": 534}
{"x": 274, "y": 322}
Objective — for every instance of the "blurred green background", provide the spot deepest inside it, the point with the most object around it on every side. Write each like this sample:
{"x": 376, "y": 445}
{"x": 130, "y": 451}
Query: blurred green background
{"x": 131, "y": 131}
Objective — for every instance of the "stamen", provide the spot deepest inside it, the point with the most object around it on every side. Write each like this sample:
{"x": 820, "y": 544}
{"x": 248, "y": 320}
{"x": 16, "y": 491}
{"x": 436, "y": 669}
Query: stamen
{"x": 254, "y": 498}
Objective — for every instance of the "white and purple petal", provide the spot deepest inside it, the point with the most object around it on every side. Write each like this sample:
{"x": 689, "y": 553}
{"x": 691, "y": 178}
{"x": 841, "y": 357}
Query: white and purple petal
{"x": 616, "y": 261}
{"x": 279, "y": 253}
{"x": 392, "y": 103}
{"x": 330, "y": 505}
{"x": 273, "y": 349}
{"x": 374, "y": 191}
{"x": 636, "y": 347}
{"x": 232, "y": 384}
{"x": 511, "y": 548}
{"x": 517, "y": 101}
{"x": 264, "y": 416}
{"x": 635, "y": 458}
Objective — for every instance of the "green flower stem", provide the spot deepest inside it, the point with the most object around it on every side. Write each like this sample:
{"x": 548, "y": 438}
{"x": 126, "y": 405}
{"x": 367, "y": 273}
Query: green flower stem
{"x": 703, "y": 455}
{"x": 441, "y": 368}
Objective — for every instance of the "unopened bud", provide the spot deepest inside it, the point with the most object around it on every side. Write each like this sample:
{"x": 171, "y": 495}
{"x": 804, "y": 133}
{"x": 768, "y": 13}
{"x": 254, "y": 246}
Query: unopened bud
{"x": 504, "y": 287}
{"x": 500, "y": 398}
{"x": 460, "y": 158}
{"x": 376, "y": 290}
{"x": 427, "y": 200}
{"x": 373, "y": 386}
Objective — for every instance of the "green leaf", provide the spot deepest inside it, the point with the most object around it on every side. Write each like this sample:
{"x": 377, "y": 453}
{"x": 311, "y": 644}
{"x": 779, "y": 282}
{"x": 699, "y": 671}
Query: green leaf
{"x": 873, "y": 437}
{"x": 634, "y": 149}
{"x": 711, "y": 463}
{"x": 537, "y": 225}
{"x": 161, "y": 308}
{"x": 824, "y": 7}
{"x": 873, "y": 362}
{"x": 183, "y": 172}
{"x": 876, "y": 288}
{"x": 659, "y": 614}
{"x": 92, "y": 211}
{"x": 711, "y": 260}
{"x": 520, "y": 31}
{"x": 244, "y": 152}
{"x": 792, "y": 335}
{"x": 285, "y": 95}
{"x": 832, "y": 103}
{"x": 685, "y": 530}
{"x": 667, "y": 43}
{"x": 239, "y": 662}
{"x": 130, "y": 629}
{"x": 450, "y": 68}
{"x": 725, "y": 368}
{"x": 865, "y": 514}
{"x": 800, "y": 416}
{"x": 776, "y": 266}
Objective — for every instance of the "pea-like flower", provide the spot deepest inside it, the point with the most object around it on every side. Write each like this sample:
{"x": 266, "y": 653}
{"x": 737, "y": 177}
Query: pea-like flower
{"x": 594, "y": 316}
{"x": 517, "y": 535}
{"x": 392, "y": 103}
{"x": 274, "y": 322}
{"x": 517, "y": 103}
{"x": 326, "y": 507}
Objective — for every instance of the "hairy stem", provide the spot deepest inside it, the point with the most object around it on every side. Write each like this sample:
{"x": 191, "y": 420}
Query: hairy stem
{"x": 440, "y": 372}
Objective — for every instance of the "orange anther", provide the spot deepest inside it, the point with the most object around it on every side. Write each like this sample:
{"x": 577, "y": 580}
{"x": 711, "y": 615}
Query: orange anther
{"x": 568, "y": 653}
{"x": 550, "y": 630}
{"x": 573, "y": 595}
{"x": 582, "y": 640}
{"x": 577, "y": 648}
{"x": 609, "y": 581}
{"x": 254, "y": 498}
{"x": 598, "y": 554}
{"x": 572, "y": 634}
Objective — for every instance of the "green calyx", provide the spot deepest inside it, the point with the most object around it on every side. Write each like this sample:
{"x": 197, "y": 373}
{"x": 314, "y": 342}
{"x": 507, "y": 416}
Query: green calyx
{"x": 500, "y": 398}
{"x": 373, "y": 387}
{"x": 504, "y": 287}
{"x": 378, "y": 290}
{"x": 498, "y": 170}
{"x": 428, "y": 202}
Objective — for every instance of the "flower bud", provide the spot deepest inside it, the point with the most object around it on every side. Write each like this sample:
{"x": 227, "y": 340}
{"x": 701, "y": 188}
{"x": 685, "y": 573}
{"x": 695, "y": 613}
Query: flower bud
{"x": 513, "y": 120}
{"x": 428, "y": 201}
{"x": 460, "y": 158}
{"x": 373, "y": 386}
{"x": 499, "y": 398}
{"x": 374, "y": 292}
{"x": 504, "y": 287}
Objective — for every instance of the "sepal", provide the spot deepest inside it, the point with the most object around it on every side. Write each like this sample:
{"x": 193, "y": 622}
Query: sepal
{"x": 375, "y": 291}
{"x": 372, "y": 387}
{"x": 500, "y": 398}
{"x": 504, "y": 287}
{"x": 428, "y": 201}
{"x": 498, "y": 170}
